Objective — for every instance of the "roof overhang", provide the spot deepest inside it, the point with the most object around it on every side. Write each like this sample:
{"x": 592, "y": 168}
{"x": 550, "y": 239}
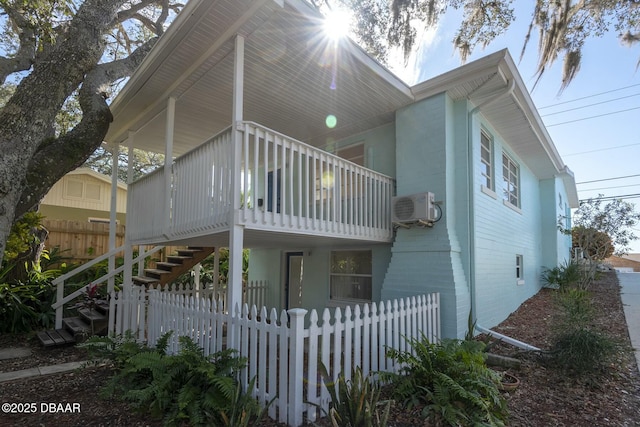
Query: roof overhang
{"x": 494, "y": 87}
{"x": 294, "y": 77}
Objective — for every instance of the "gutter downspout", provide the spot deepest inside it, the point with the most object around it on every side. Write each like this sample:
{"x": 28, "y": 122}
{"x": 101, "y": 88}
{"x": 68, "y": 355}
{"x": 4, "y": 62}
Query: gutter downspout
{"x": 471, "y": 197}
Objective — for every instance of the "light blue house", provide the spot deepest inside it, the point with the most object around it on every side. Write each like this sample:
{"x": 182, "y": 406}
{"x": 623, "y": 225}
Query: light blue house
{"x": 297, "y": 146}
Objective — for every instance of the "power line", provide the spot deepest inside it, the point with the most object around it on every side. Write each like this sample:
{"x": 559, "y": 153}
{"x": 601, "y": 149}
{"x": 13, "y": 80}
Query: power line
{"x": 607, "y": 179}
{"x": 610, "y": 188}
{"x": 623, "y": 196}
{"x": 602, "y": 149}
{"x": 593, "y": 117}
{"x": 588, "y": 96}
{"x": 589, "y": 105}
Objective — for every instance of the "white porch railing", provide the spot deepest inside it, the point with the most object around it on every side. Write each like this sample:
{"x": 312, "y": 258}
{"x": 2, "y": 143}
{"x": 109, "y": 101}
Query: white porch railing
{"x": 145, "y": 205}
{"x": 286, "y": 185}
{"x": 294, "y": 186}
{"x": 285, "y": 350}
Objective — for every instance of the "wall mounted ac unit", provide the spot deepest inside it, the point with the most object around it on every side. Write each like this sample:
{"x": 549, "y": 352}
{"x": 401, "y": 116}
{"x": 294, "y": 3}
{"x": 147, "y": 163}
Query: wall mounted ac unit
{"x": 413, "y": 208}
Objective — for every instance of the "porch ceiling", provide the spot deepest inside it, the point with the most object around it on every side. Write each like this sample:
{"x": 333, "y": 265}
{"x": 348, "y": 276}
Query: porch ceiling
{"x": 294, "y": 78}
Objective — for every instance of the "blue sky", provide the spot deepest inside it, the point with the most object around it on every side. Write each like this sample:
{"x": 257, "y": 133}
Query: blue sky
{"x": 594, "y": 148}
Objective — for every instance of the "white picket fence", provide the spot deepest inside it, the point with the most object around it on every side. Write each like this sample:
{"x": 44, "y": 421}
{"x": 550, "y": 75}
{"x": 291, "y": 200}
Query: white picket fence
{"x": 130, "y": 313}
{"x": 253, "y": 293}
{"x": 284, "y": 350}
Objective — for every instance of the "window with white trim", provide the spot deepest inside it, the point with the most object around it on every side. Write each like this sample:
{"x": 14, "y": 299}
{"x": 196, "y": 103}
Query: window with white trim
{"x": 351, "y": 278}
{"x": 510, "y": 181}
{"x": 486, "y": 160}
{"x": 520, "y": 269}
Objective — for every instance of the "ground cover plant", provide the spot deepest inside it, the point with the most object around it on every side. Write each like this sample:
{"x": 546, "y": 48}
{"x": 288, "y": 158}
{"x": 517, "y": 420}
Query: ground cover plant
{"x": 452, "y": 382}
{"x": 187, "y": 387}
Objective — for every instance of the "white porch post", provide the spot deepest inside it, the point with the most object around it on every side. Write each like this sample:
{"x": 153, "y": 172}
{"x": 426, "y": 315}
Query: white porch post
{"x": 168, "y": 162}
{"x": 216, "y": 268}
{"x": 236, "y": 233}
{"x": 113, "y": 148}
{"x": 128, "y": 249}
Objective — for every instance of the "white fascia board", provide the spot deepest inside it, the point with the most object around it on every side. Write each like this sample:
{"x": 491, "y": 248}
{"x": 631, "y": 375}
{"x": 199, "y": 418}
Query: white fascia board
{"x": 502, "y": 63}
{"x": 526, "y": 103}
{"x": 96, "y": 175}
{"x": 457, "y": 76}
{"x": 570, "y": 187}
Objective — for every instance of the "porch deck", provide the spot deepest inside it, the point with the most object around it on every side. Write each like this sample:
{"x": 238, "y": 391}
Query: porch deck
{"x": 284, "y": 186}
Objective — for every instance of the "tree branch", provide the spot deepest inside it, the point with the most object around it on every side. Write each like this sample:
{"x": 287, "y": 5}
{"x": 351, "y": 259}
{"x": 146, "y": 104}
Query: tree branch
{"x": 134, "y": 13}
{"x": 24, "y": 57}
{"x": 61, "y": 155}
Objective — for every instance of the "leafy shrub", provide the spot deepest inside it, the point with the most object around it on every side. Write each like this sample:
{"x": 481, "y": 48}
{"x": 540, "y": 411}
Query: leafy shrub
{"x": 26, "y": 306}
{"x": 354, "y": 403}
{"x": 186, "y": 387}
{"x": 26, "y": 293}
{"x": 452, "y": 380}
{"x": 22, "y": 237}
{"x": 563, "y": 275}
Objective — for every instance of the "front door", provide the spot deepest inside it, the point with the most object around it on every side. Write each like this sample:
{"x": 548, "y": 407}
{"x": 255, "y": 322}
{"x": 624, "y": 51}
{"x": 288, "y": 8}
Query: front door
{"x": 293, "y": 280}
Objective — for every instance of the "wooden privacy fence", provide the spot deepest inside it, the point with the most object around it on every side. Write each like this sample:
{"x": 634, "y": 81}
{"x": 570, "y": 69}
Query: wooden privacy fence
{"x": 81, "y": 241}
{"x": 284, "y": 350}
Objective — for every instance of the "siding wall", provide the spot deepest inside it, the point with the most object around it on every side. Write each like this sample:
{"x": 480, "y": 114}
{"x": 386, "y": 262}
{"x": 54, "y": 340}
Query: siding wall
{"x": 59, "y": 196}
{"x": 474, "y": 244}
{"x": 430, "y": 259}
{"x": 501, "y": 233}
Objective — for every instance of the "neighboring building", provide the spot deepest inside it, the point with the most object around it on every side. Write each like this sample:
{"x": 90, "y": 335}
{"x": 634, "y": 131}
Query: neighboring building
{"x": 84, "y": 195}
{"x": 294, "y": 145}
{"x": 76, "y": 213}
{"x": 633, "y": 257}
{"x": 627, "y": 262}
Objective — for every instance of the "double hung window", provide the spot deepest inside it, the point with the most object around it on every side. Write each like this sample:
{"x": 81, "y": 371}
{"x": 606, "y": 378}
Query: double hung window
{"x": 350, "y": 275}
{"x": 510, "y": 181}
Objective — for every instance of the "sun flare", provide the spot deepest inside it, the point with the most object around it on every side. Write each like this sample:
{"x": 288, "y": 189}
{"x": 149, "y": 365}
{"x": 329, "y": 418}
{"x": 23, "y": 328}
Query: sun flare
{"x": 337, "y": 23}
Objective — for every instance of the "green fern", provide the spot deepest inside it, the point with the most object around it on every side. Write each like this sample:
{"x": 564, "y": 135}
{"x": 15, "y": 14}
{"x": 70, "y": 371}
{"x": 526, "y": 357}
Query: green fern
{"x": 451, "y": 379}
{"x": 187, "y": 387}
